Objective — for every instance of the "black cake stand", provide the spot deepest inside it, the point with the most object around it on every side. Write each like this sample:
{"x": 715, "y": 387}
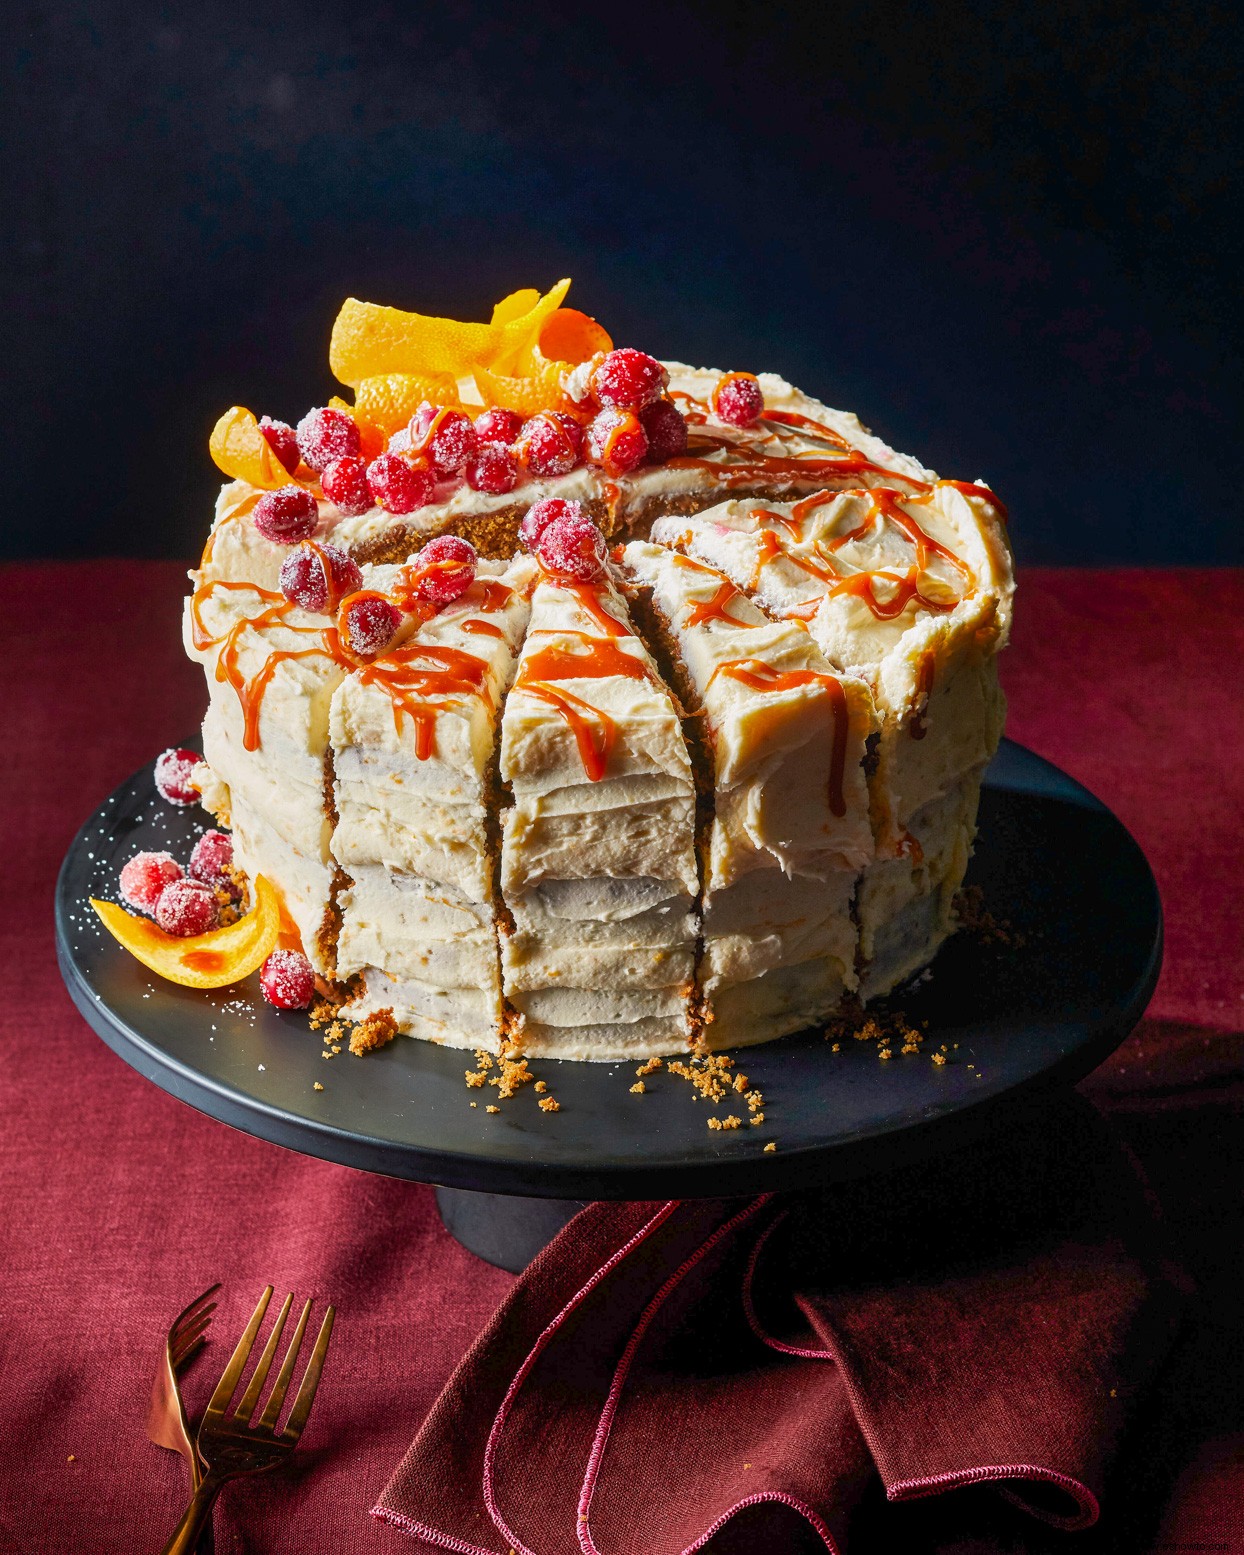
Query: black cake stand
{"x": 1017, "y": 1019}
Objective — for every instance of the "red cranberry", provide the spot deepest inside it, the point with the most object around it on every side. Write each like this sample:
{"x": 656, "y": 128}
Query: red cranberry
{"x": 172, "y": 776}
{"x": 550, "y": 444}
{"x": 286, "y": 516}
{"x": 494, "y": 469}
{"x": 617, "y": 441}
{"x": 145, "y": 876}
{"x": 498, "y": 426}
{"x": 368, "y": 623}
{"x": 399, "y": 486}
{"x": 573, "y": 547}
{"x": 319, "y": 577}
{"x": 326, "y": 434}
{"x": 212, "y": 852}
{"x": 449, "y": 564}
{"x": 628, "y": 379}
{"x": 187, "y": 907}
{"x": 446, "y": 436}
{"x": 282, "y": 440}
{"x": 399, "y": 443}
{"x": 665, "y": 430}
{"x": 737, "y": 400}
{"x": 287, "y": 980}
{"x": 540, "y": 515}
{"x": 345, "y": 485}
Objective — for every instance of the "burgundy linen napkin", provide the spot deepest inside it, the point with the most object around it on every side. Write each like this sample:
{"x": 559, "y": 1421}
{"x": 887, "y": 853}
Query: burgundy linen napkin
{"x": 666, "y": 1374}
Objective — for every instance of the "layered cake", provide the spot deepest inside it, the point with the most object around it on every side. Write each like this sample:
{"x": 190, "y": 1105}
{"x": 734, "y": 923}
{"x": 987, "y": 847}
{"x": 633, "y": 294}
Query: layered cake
{"x": 590, "y": 705}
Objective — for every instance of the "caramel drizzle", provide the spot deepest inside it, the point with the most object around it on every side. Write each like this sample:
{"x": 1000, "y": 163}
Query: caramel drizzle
{"x": 594, "y": 731}
{"x": 587, "y": 596}
{"x": 409, "y": 675}
{"x": 761, "y": 677}
{"x": 714, "y": 609}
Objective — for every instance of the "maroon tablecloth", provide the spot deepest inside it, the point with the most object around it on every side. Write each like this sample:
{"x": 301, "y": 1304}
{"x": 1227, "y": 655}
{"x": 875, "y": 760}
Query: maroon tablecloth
{"x": 119, "y": 1203}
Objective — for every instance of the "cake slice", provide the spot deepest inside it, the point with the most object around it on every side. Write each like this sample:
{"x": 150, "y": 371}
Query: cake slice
{"x": 414, "y": 736}
{"x": 785, "y": 742}
{"x": 913, "y": 593}
{"x": 598, "y": 864}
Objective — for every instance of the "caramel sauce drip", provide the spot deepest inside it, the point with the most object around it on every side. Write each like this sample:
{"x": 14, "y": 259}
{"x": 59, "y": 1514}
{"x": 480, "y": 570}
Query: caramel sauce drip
{"x": 984, "y": 493}
{"x": 488, "y": 595}
{"x": 475, "y": 628}
{"x": 594, "y": 731}
{"x": 203, "y": 960}
{"x": 924, "y": 689}
{"x": 762, "y": 677}
{"x": 409, "y": 675}
{"x": 713, "y": 609}
{"x": 587, "y": 595}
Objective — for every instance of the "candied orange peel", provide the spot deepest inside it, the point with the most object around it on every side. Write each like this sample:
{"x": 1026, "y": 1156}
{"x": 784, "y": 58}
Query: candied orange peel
{"x": 389, "y": 400}
{"x": 241, "y": 450}
{"x": 212, "y": 960}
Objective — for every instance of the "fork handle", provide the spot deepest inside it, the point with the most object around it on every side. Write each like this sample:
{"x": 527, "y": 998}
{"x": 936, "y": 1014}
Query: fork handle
{"x": 195, "y": 1517}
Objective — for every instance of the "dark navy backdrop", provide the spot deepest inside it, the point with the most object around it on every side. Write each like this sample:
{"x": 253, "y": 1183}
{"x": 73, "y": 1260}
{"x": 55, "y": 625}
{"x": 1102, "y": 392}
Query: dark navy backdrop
{"x": 1007, "y": 235}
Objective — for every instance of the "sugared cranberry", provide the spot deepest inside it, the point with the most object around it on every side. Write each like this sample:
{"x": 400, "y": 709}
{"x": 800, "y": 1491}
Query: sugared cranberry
{"x": 448, "y": 567}
{"x": 145, "y": 876}
{"x": 573, "y": 547}
{"x": 737, "y": 400}
{"x": 617, "y": 441}
{"x": 345, "y": 485}
{"x": 494, "y": 469}
{"x": 665, "y": 430}
{"x": 498, "y": 426}
{"x": 326, "y": 434}
{"x": 187, "y": 907}
{"x": 212, "y": 852}
{"x": 319, "y": 577}
{"x": 399, "y": 486}
{"x": 550, "y": 444}
{"x": 286, "y": 516}
{"x": 172, "y": 776}
{"x": 628, "y": 379}
{"x": 399, "y": 443}
{"x": 287, "y": 980}
{"x": 368, "y": 622}
{"x": 540, "y": 515}
{"x": 447, "y": 437}
{"x": 282, "y": 440}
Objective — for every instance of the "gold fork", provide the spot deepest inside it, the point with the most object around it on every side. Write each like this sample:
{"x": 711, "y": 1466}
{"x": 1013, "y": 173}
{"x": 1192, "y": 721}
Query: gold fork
{"x": 230, "y": 1444}
{"x": 167, "y": 1425}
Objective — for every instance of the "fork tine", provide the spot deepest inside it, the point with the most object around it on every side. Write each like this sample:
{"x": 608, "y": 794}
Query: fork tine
{"x": 237, "y": 1361}
{"x": 254, "y": 1387}
{"x": 273, "y": 1407}
{"x": 191, "y": 1311}
{"x": 184, "y": 1337}
{"x": 183, "y": 1357}
{"x": 310, "y": 1381}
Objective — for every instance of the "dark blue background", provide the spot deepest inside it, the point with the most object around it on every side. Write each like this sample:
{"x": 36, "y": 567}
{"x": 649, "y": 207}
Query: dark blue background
{"x": 1007, "y": 235}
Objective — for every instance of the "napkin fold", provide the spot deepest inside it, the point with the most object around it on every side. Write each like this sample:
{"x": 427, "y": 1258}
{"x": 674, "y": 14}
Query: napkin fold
{"x": 666, "y": 1374}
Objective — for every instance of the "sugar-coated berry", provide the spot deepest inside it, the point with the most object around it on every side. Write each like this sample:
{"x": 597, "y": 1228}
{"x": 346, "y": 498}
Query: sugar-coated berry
{"x": 287, "y": 981}
{"x": 172, "y": 776}
{"x": 494, "y": 469}
{"x": 368, "y": 622}
{"x": 447, "y": 437}
{"x": 498, "y": 426}
{"x": 550, "y": 444}
{"x": 628, "y": 379}
{"x": 665, "y": 430}
{"x": 737, "y": 400}
{"x": 145, "y": 876}
{"x": 318, "y": 577}
{"x": 286, "y": 516}
{"x": 617, "y": 441}
{"x": 447, "y": 568}
{"x": 212, "y": 852}
{"x": 398, "y": 485}
{"x": 187, "y": 907}
{"x": 573, "y": 548}
{"x": 326, "y": 434}
{"x": 540, "y": 515}
{"x": 345, "y": 485}
{"x": 282, "y": 440}
{"x": 399, "y": 443}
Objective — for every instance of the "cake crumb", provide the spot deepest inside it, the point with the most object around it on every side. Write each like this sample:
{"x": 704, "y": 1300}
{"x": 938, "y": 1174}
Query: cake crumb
{"x": 884, "y": 1053}
{"x": 475, "y": 1078}
{"x": 541, "y": 1087}
{"x": 938, "y": 1058}
{"x": 651, "y": 1067}
{"x": 771, "y": 1147}
{"x": 740, "y": 1082}
{"x": 72, "y": 1458}
{"x": 756, "y": 1117}
{"x": 974, "y": 918}
{"x": 475, "y": 1104}
{"x": 837, "y": 1048}
{"x": 491, "y": 1108}
{"x": 317, "y": 1086}
{"x": 376, "y": 1031}
{"x": 639, "y": 1088}
{"x": 549, "y": 1104}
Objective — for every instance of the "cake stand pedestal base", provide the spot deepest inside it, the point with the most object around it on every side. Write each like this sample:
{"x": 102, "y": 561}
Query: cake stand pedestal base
{"x": 503, "y": 1230}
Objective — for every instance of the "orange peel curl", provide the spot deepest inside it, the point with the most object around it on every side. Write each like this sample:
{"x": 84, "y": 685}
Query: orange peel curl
{"x": 241, "y": 450}
{"x": 212, "y": 960}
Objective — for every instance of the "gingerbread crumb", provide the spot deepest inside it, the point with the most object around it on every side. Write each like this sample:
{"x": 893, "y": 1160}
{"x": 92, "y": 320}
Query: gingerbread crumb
{"x": 541, "y": 1087}
{"x": 974, "y": 918}
{"x": 376, "y": 1031}
{"x": 771, "y": 1147}
{"x": 639, "y": 1088}
{"x": 938, "y": 1058}
{"x": 317, "y": 1086}
{"x": 650, "y": 1067}
{"x": 491, "y": 1108}
{"x": 549, "y": 1104}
